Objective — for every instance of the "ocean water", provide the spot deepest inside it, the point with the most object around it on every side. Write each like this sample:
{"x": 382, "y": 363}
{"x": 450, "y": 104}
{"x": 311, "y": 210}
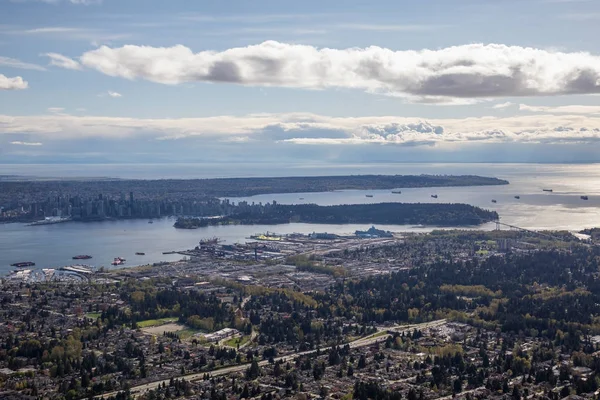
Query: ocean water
{"x": 54, "y": 245}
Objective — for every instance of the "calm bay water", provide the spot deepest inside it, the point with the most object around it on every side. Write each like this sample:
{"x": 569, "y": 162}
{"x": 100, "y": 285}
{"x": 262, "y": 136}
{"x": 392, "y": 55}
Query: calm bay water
{"x": 54, "y": 245}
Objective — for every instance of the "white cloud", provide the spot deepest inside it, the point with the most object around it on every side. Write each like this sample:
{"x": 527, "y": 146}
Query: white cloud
{"x": 502, "y": 105}
{"x": 468, "y": 72}
{"x": 46, "y": 30}
{"x": 305, "y": 128}
{"x": 573, "y": 109}
{"x": 16, "y": 83}
{"x": 17, "y": 143}
{"x": 70, "y": 33}
{"x": 110, "y": 93}
{"x": 14, "y": 63}
{"x": 58, "y": 60}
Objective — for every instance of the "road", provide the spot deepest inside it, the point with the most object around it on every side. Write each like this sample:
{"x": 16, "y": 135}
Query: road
{"x": 362, "y": 342}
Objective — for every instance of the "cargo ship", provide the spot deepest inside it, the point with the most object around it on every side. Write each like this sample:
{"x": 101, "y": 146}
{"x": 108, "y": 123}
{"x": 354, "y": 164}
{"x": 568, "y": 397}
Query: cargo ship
{"x": 139, "y": 253}
{"x": 494, "y": 201}
{"x": 517, "y": 197}
{"x": 584, "y": 198}
{"x": 51, "y": 221}
{"x": 396, "y": 192}
{"x": 369, "y": 195}
{"x": 82, "y": 257}
{"x": 23, "y": 264}
{"x": 547, "y": 190}
{"x": 373, "y": 232}
{"x": 210, "y": 242}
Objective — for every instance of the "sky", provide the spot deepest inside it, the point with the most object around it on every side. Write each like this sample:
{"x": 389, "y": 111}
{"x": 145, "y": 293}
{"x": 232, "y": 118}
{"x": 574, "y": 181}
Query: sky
{"x": 328, "y": 81}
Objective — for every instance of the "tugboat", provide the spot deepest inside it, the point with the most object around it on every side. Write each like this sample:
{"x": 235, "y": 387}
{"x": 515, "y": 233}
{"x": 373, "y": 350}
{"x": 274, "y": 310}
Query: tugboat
{"x": 82, "y": 257}
{"x": 584, "y": 198}
{"x": 517, "y": 197}
{"x": 118, "y": 261}
{"x": 494, "y": 201}
{"x": 435, "y": 196}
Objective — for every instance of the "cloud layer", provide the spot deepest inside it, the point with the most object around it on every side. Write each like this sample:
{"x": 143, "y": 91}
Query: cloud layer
{"x": 305, "y": 128}
{"x": 468, "y": 72}
{"x": 16, "y": 83}
{"x": 18, "y": 143}
{"x": 572, "y": 109}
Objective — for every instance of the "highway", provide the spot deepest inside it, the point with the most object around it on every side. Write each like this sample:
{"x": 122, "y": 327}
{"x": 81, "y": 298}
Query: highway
{"x": 362, "y": 342}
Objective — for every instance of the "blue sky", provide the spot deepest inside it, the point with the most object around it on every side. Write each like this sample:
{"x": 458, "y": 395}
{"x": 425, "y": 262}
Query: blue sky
{"x": 276, "y": 81}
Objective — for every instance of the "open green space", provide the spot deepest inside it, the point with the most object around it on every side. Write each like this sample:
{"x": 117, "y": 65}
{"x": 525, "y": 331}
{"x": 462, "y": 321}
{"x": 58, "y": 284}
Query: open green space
{"x": 187, "y": 333}
{"x": 234, "y": 342}
{"x": 155, "y": 322}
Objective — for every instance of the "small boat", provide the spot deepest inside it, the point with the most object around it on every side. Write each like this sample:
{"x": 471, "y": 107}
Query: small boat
{"x": 301, "y": 198}
{"x": 82, "y": 257}
{"x": 494, "y": 201}
{"x": 140, "y": 254}
{"x": 396, "y": 192}
{"x": 369, "y": 195}
{"x": 118, "y": 261}
{"x": 150, "y": 222}
{"x": 435, "y": 196}
{"x": 584, "y": 198}
{"x": 517, "y": 197}
{"x": 547, "y": 190}
{"x": 23, "y": 264}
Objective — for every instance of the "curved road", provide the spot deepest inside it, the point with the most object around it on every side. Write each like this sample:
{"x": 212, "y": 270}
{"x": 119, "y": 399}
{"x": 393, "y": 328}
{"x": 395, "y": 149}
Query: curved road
{"x": 362, "y": 342}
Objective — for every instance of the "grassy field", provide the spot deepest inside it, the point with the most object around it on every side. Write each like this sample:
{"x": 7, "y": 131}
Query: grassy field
{"x": 155, "y": 322}
{"x": 233, "y": 342}
{"x": 93, "y": 315}
{"x": 187, "y": 333}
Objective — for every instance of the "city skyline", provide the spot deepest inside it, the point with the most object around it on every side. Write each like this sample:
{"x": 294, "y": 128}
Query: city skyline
{"x": 91, "y": 81}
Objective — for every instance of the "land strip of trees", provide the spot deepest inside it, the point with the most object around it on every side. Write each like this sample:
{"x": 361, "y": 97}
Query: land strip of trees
{"x": 381, "y": 213}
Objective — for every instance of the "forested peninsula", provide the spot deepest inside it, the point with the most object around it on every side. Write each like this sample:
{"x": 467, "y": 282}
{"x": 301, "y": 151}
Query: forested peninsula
{"x": 381, "y": 213}
{"x": 194, "y": 189}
